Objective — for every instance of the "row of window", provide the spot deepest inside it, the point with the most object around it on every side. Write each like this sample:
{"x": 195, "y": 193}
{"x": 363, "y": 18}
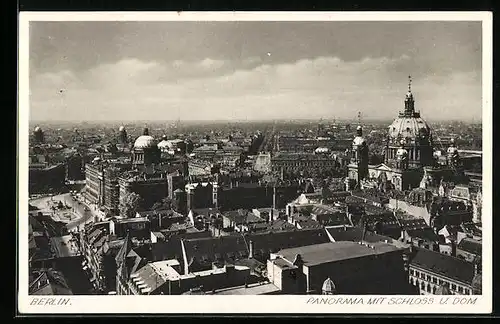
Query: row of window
{"x": 436, "y": 281}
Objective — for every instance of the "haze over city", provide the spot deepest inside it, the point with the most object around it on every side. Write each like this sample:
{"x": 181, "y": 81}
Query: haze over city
{"x": 107, "y": 71}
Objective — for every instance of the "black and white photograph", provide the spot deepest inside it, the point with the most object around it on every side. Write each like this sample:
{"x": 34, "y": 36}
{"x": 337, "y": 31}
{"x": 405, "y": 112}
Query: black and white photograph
{"x": 338, "y": 161}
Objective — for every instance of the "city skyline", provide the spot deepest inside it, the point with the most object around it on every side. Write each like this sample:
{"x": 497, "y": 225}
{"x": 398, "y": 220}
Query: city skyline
{"x": 252, "y": 70}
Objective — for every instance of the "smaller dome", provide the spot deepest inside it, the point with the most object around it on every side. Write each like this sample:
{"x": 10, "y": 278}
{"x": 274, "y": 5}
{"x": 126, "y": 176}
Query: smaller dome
{"x": 401, "y": 152}
{"x": 144, "y": 141}
{"x": 322, "y": 150}
{"x": 409, "y": 94}
{"x": 452, "y": 150}
{"x": 358, "y": 140}
{"x": 121, "y": 129}
{"x": 359, "y": 128}
{"x": 38, "y": 129}
{"x": 328, "y": 286}
{"x": 164, "y": 144}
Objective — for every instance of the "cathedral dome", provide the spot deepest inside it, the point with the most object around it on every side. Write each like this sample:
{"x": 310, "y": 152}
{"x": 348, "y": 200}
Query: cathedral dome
{"x": 409, "y": 125}
{"x": 410, "y": 128}
{"x": 121, "y": 129}
{"x": 145, "y": 141}
{"x": 328, "y": 287}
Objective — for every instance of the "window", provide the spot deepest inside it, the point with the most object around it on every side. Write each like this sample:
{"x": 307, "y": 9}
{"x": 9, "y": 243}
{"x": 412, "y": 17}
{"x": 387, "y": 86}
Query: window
{"x": 434, "y": 280}
{"x": 422, "y": 276}
{"x": 422, "y": 285}
{"x": 411, "y": 272}
{"x": 440, "y": 281}
{"x": 428, "y": 288}
{"x": 416, "y": 273}
{"x": 460, "y": 289}
{"x": 428, "y": 278}
{"x": 434, "y": 290}
{"x": 453, "y": 287}
{"x": 466, "y": 291}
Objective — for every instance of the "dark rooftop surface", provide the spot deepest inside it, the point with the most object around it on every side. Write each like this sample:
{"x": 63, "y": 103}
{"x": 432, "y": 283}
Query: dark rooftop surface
{"x": 64, "y": 246}
{"x": 471, "y": 246}
{"x": 444, "y": 265}
{"x": 337, "y": 251}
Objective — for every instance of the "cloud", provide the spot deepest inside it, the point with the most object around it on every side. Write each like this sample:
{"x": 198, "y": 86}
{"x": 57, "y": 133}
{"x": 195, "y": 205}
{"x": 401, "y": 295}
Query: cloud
{"x": 251, "y": 88}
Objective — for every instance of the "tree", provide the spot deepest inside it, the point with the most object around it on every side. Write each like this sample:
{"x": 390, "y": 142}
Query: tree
{"x": 130, "y": 204}
{"x": 164, "y": 204}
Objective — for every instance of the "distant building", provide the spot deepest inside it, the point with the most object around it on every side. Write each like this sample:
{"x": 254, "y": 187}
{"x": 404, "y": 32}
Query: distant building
{"x": 145, "y": 152}
{"x": 151, "y": 187}
{"x": 44, "y": 178}
{"x": 38, "y": 136}
{"x": 305, "y": 163}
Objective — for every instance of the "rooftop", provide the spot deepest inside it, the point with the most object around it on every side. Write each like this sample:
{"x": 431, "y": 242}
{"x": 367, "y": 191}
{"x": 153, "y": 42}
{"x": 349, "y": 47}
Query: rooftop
{"x": 444, "y": 265}
{"x": 64, "y": 246}
{"x": 471, "y": 246}
{"x": 260, "y": 288}
{"x": 331, "y": 252}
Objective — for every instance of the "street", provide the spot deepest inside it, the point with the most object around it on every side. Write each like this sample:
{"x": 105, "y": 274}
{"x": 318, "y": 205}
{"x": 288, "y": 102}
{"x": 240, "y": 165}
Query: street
{"x": 82, "y": 212}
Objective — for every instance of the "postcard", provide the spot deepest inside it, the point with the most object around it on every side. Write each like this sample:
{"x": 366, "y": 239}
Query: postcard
{"x": 280, "y": 162}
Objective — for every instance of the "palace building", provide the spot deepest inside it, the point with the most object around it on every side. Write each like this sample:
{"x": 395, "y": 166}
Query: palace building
{"x": 409, "y": 160}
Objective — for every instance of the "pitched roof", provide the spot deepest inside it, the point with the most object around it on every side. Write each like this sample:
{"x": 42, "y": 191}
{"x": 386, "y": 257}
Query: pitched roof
{"x": 166, "y": 250}
{"x": 204, "y": 251}
{"x": 49, "y": 282}
{"x": 149, "y": 277}
{"x": 442, "y": 264}
{"x": 424, "y": 233}
{"x": 124, "y": 250}
{"x": 471, "y": 246}
{"x": 354, "y": 234}
{"x": 274, "y": 241}
{"x": 413, "y": 224}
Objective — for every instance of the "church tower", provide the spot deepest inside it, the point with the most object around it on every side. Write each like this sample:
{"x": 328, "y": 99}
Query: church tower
{"x": 358, "y": 168}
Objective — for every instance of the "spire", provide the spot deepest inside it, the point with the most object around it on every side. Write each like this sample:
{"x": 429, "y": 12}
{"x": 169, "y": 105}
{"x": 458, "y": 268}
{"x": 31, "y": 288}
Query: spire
{"x": 409, "y": 102}
{"x": 146, "y": 131}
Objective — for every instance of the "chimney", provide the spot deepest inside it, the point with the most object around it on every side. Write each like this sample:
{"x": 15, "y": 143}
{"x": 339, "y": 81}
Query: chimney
{"x": 250, "y": 248}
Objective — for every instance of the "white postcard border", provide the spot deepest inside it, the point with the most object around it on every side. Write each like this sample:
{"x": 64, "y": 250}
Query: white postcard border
{"x": 249, "y": 304}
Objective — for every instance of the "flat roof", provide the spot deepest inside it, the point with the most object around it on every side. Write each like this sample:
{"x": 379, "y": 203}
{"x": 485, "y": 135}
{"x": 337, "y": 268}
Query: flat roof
{"x": 336, "y": 251}
{"x": 253, "y": 289}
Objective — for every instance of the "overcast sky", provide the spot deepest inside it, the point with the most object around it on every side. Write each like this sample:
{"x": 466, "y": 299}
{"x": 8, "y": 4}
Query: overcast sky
{"x": 252, "y": 70}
